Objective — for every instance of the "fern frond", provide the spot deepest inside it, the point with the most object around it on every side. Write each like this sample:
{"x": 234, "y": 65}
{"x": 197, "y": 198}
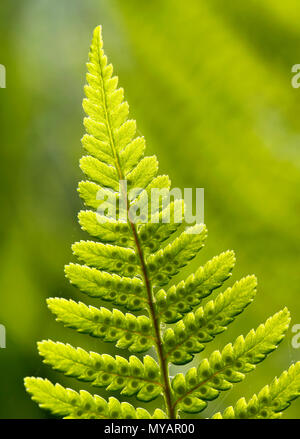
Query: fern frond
{"x": 162, "y": 225}
{"x": 106, "y": 230}
{"x": 165, "y": 263}
{"x": 142, "y": 175}
{"x": 221, "y": 369}
{"x": 73, "y": 405}
{"x": 130, "y": 377}
{"x": 270, "y": 401}
{"x": 128, "y": 292}
{"x": 107, "y": 257}
{"x": 182, "y": 298}
{"x": 191, "y": 333}
{"x": 132, "y": 154}
{"x": 138, "y": 248}
{"x": 161, "y": 182}
{"x": 126, "y": 330}
{"x": 94, "y": 195}
{"x": 100, "y": 173}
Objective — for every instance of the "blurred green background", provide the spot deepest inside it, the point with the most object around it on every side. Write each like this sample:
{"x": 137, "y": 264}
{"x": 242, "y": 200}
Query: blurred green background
{"x": 209, "y": 83}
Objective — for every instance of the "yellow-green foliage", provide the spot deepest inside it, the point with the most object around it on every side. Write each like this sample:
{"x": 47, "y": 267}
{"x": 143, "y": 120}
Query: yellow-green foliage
{"x": 131, "y": 266}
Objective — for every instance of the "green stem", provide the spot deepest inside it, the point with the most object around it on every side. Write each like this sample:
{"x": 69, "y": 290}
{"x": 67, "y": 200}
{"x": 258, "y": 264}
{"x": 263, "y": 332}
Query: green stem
{"x": 159, "y": 346}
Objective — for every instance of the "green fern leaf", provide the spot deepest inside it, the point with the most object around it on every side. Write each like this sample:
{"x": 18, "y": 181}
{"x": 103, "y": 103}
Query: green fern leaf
{"x": 129, "y": 292}
{"x": 138, "y": 249}
{"x": 165, "y": 263}
{"x": 191, "y": 333}
{"x": 182, "y": 298}
{"x": 130, "y": 377}
{"x": 222, "y": 369}
{"x": 163, "y": 224}
{"x": 126, "y": 330}
{"x": 106, "y": 230}
{"x": 73, "y": 405}
{"x": 107, "y": 257}
{"x": 270, "y": 401}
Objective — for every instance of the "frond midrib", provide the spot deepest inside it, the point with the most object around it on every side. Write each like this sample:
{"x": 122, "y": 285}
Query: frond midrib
{"x": 155, "y": 321}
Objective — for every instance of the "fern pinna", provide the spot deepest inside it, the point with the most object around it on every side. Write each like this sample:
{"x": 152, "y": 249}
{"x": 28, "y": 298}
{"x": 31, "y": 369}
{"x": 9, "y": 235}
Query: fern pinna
{"x": 131, "y": 265}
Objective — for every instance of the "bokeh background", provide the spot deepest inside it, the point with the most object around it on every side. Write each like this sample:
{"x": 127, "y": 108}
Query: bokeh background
{"x": 209, "y": 83}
